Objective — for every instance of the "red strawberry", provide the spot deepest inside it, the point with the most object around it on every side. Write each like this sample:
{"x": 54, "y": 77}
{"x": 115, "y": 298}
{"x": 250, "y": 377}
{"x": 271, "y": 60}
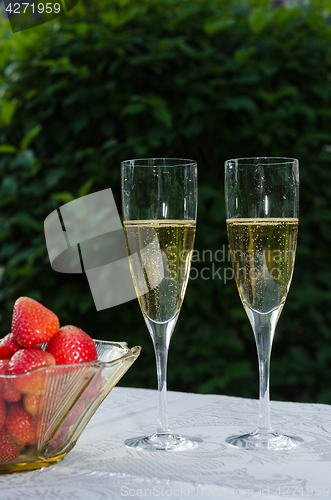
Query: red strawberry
{"x": 7, "y": 390}
{"x": 26, "y": 360}
{"x": 71, "y": 345}
{"x": 32, "y": 404}
{"x": 8, "y": 346}
{"x": 8, "y": 450}
{"x": 19, "y": 425}
{"x": 34, "y": 431}
{"x": 2, "y": 413}
{"x": 33, "y": 323}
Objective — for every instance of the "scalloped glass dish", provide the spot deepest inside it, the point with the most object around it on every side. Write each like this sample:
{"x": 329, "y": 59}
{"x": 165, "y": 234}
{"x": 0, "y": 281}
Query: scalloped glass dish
{"x": 68, "y": 397}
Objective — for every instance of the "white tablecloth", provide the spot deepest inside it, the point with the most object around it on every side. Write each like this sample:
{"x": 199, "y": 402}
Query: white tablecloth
{"x": 100, "y": 467}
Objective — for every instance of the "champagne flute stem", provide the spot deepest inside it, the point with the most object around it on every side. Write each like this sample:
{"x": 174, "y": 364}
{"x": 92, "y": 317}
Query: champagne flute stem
{"x": 264, "y": 328}
{"x": 264, "y": 424}
{"x": 161, "y": 354}
{"x": 161, "y": 334}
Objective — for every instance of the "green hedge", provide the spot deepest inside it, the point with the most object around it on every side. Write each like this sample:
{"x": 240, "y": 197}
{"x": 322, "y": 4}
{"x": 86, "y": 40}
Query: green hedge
{"x": 210, "y": 79}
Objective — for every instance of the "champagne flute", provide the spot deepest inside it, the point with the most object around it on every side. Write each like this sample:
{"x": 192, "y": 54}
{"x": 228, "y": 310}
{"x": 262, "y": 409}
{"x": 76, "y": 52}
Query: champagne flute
{"x": 262, "y": 202}
{"x": 159, "y": 198}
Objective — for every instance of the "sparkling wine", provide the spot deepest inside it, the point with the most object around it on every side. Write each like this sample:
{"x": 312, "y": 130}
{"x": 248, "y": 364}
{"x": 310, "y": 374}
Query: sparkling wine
{"x": 262, "y": 253}
{"x": 161, "y": 250}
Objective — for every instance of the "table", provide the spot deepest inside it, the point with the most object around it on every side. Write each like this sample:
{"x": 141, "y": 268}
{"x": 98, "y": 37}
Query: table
{"x": 101, "y": 468}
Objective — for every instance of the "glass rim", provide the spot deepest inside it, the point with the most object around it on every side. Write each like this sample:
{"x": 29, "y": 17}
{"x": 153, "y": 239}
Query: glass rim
{"x": 275, "y": 160}
{"x": 126, "y": 354}
{"x": 181, "y": 162}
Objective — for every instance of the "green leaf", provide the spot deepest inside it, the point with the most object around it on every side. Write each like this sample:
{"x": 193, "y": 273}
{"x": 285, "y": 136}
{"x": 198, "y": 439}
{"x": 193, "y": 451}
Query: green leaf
{"x": 7, "y": 149}
{"x": 163, "y": 115}
{"x": 64, "y": 197}
{"x": 31, "y": 93}
{"x": 7, "y": 110}
{"x": 159, "y": 109}
{"x": 24, "y": 270}
{"x": 259, "y": 18}
{"x": 239, "y": 102}
{"x": 85, "y": 188}
{"x": 25, "y": 220}
{"x": 218, "y": 25}
{"x": 25, "y": 159}
{"x": 9, "y": 186}
{"x": 110, "y": 143}
{"x": 244, "y": 53}
{"x": 133, "y": 109}
{"x": 28, "y": 138}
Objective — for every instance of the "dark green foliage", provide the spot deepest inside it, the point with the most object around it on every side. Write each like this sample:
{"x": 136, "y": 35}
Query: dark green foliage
{"x": 210, "y": 79}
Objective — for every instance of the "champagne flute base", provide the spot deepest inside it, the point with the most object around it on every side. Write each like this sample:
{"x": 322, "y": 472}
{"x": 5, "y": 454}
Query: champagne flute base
{"x": 163, "y": 442}
{"x": 264, "y": 441}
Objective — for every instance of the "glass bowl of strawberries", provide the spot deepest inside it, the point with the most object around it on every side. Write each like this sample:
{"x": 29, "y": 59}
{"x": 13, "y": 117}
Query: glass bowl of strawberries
{"x": 52, "y": 380}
